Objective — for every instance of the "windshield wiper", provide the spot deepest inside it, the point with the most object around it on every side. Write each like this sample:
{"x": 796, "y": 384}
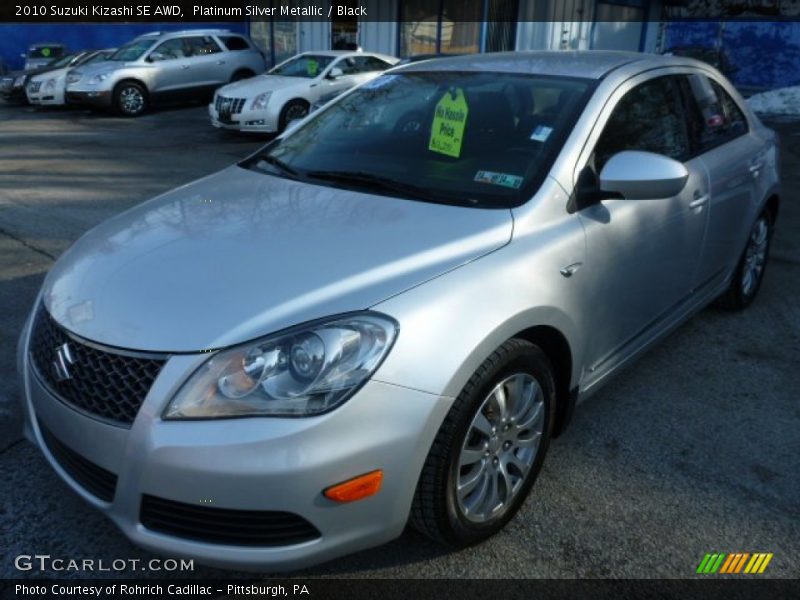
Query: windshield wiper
{"x": 279, "y": 165}
{"x": 378, "y": 183}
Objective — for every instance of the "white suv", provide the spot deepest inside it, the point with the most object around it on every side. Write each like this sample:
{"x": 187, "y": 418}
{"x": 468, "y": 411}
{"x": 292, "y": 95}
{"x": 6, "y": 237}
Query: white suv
{"x": 165, "y": 67}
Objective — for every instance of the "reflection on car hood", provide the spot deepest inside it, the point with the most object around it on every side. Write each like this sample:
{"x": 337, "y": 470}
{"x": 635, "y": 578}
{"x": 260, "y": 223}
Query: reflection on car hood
{"x": 101, "y": 67}
{"x": 50, "y": 74}
{"x": 249, "y": 88}
{"x": 241, "y": 254}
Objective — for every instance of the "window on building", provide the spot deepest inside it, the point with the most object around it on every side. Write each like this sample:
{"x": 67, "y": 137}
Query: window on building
{"x": 650, "y": 118}
{"x": 457, "y": 26}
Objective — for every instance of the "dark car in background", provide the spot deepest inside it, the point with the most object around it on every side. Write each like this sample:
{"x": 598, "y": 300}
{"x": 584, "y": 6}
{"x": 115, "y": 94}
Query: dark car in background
{"x": 41, "y": 54}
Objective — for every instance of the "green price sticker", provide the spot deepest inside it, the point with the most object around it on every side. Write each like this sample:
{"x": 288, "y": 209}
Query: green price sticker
{"x": 45, "y": 51}
{"x": 312, "y": 67}
{"x": 449, "y": 121}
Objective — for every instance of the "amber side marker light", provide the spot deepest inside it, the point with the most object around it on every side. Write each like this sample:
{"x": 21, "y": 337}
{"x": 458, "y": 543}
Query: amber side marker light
{"x": 358, "y": 488}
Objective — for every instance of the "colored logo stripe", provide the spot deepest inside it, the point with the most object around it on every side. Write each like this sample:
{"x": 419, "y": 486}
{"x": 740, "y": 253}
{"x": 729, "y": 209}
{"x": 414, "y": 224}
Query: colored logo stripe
{"x": 734, "y": 563}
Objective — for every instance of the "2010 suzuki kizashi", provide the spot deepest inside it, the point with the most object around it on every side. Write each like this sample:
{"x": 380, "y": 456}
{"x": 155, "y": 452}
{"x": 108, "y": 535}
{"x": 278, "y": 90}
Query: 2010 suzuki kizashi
{"x": 388, "y": 312}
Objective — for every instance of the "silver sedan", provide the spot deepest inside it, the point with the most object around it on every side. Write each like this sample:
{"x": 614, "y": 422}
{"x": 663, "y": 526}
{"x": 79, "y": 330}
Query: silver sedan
{"x": 388, "y": 312}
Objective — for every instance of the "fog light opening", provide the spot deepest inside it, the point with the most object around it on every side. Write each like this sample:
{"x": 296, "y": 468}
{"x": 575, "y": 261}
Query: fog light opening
{"x": 358, "y": 488}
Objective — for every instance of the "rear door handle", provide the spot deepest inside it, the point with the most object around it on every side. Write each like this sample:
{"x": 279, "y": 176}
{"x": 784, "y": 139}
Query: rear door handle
{"x": 184, "y": 67}
{"x": 220, "y": 62}
{"x": 699, "y": 201}
{"x": 755, "y": 168}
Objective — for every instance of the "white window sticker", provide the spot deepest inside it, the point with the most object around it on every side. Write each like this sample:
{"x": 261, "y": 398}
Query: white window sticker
{"x": 541, "y": 133}
{"x": 504, "y": 179}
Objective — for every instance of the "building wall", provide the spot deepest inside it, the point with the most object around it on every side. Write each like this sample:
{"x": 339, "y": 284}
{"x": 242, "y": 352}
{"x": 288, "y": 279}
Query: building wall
{"x": 15, "y": 39}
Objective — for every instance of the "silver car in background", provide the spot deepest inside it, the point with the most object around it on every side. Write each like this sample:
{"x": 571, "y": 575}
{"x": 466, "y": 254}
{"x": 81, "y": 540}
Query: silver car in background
{"x": 268, "y": 103}
{"x": 388, "y": 312}
{"x": 165, "y": 67}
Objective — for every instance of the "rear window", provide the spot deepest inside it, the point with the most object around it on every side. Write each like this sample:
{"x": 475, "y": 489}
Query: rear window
{"x": 234, "y": 42}
{"x": 46, "y": 52}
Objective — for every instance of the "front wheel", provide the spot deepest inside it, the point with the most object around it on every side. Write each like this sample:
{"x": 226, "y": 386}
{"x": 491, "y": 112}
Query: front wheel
{"x": 750, "y": 271}
{"x": 130, "y": 99}
{"x": 293, "y": 111}
{"x": 489, "y": 449}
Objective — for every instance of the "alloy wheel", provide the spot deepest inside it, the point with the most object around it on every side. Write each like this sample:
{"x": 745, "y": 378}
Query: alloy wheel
{"x": 755, "y": 256}
{"x": 131, "y": 100}
{"x": 500, "y": 447}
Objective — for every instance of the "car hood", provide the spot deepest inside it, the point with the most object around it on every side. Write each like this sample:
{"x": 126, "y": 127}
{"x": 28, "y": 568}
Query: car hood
{"x": 240, "y": 254}
{"x": 50, "y": 74}
{"x": 101, "y": 67}
{"x": 248, "y": 88}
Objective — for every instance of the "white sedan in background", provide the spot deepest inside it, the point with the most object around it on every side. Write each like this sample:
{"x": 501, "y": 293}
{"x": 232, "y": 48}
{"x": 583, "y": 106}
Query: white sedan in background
{"x": 48, "y": 88}
{"x": 268, "y": 103}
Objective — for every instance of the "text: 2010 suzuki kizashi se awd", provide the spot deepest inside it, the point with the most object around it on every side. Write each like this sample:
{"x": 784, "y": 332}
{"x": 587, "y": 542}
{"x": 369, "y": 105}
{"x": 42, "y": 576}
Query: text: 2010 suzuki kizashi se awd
{"x": 386, "y": 314}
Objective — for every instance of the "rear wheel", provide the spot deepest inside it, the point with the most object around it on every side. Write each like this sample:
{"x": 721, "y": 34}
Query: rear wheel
{"x": 750, "y": 271}
{"x": 130, "y": 99}
{"x": 292, "y": 111}
{"x": 489, "y": 449}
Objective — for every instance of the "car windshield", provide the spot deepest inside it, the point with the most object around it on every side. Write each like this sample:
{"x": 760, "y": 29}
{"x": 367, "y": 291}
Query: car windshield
{"x": 62, "y": 62}
{"x": 307, "y": 65}
{"x": 474, "y": 139}
{"x": 99, "y": 57}
{"x": 46, "y": 52}
{"x": 132, "y": 51}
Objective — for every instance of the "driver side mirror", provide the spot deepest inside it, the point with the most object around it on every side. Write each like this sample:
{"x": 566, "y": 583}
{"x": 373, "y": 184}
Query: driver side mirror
{"x": 155, "y": 57}
{"x": 335, "y": 73}
{"x": 637, "y": 175}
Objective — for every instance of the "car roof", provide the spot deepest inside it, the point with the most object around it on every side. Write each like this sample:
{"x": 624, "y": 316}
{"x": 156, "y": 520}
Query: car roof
{"x": 186, "y": 32}
{"x": 589, "y": 64}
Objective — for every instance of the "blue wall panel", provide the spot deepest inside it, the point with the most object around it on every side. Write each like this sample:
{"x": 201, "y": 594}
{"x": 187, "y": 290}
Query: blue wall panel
{"x": 763, "y": 54}
{"x": 15, "y": 39}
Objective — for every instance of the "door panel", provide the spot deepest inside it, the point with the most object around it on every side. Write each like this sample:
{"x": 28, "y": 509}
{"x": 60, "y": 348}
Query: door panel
{"x": 731, "y": 158}
{"x": 642, "y": 255}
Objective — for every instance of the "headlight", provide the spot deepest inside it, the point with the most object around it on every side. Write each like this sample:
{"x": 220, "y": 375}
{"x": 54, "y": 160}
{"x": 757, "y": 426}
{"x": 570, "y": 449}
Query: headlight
{"x": 260, "y": 102}
{"x": 19, "y": 81}
{"x": 302, "y": 372}
{"x": 98, "y": 78}
{"x": 49, "y": 84}
{"x": 73, "y": 78}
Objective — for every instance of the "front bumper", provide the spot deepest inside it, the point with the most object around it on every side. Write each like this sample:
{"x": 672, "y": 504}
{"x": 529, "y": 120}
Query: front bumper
{"x": 256, "y": 121}
{"x": 263, "y": 464}
{"x": 94, "y": 99}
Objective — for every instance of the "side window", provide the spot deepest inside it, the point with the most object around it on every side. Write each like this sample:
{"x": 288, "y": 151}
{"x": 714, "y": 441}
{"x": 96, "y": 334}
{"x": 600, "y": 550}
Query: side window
{"x": 234, "y": 42}
{"x": 368, "y": 64}
{"x": 716, "y": 118}
{"x": 651, "y": 118}
{"x": 348, "y": 66}
{"x": 201, "y": 46}
{"x": 169, "y": 50}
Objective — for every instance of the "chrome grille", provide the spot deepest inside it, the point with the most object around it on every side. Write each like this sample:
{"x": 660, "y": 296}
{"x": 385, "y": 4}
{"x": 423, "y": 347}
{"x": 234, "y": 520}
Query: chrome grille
{"x": 229, "y": 106}
{"x": 34, "y": 86}
{"x": 103, "y": 383}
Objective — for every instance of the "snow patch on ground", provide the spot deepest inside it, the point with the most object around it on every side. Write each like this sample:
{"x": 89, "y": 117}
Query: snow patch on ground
{"x": 783, "y": 101}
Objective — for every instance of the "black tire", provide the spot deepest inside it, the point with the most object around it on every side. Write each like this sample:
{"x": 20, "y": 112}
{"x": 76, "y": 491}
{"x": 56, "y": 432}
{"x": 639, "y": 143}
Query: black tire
{"x": 436, "y": 510}
{"x": 239, "y": 75}
{"x": 125, "y": 99}
{"x": 292, "y": 110}
{"x": 740, "y": 294}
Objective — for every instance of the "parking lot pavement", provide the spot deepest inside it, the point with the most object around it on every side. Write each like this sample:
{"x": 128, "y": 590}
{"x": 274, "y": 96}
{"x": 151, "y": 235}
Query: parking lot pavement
{"x": 695, "y": 449}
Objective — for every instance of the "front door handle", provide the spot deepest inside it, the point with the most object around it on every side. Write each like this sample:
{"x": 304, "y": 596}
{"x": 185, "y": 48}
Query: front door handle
{"x": 220, "y": 62}
{"x": 699, "y": 201}
{"x": 184, "y": 67}
{"x": 755, "y": 168}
